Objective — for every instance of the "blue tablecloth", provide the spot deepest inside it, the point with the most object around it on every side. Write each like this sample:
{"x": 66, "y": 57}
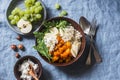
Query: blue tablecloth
{"x": 107, "y": 13}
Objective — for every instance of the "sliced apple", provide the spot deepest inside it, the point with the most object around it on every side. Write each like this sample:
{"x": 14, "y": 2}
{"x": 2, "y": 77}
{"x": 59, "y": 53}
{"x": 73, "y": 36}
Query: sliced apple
{"x": 54, "y": 30}
{"x": 75, "y": 48}
{"x": 24, "y": 26}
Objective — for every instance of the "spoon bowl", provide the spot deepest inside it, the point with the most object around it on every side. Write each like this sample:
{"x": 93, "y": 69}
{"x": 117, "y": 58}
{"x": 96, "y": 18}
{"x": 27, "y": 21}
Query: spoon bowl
{"x": 85, "y": 25}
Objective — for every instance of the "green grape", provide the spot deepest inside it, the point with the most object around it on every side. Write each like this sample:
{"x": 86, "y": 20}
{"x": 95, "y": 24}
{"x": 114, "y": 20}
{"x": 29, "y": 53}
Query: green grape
{"x": 10, "y": 17}
{"x": 38, "y": 16}
{"x": 21, "y": 13}
{"x": 27, "y": 11}
{"x": 17, "y": 9}
{"x": 27, "y": 15}
{"x": 28, "y": 3}
{"x": 37, "y": 3}
{"x": 13, "y": 12}
{"x": 16, "y": 18}
{"x": 32, "y": 9}
{"x": 63, "y": 13}
{"x": 36, "y": 10}
{"x": 40, "y": 8}
{"x": 25, "y": 18}
{"x": 33, "y": 1}
{"x": 57, "y": 6}
{"x": 13, "y": 22}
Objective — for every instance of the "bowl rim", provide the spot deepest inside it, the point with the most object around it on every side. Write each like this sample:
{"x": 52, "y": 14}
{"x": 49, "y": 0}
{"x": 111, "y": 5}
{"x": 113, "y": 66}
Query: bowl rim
{"x": 27, "y": 57}
{"x": 80, "y": 54}
{"x": 11, "y": 27}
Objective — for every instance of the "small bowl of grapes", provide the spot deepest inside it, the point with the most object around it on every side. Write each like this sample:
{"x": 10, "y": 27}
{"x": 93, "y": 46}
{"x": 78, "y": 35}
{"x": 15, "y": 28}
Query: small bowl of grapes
{"x": 25, "y": 16}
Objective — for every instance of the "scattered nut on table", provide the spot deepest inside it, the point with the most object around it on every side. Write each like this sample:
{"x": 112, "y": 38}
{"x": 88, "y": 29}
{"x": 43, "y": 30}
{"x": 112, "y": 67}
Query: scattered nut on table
{"x": 13, "y": 46}
{"x": 20, "y": 46}
{"x": 17, "y": 55}
{"x": 19, "y": 38}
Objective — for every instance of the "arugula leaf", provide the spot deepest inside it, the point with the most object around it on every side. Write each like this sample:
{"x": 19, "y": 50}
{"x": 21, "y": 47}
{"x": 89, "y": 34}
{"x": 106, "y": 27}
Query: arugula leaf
{"x": 41, "y": 47}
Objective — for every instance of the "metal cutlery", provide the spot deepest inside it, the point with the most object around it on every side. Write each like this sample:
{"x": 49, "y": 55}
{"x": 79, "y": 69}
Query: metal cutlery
{"x": 90, "y": 30}
{"x": 93, "y": 32}
{"x": 85, "y": 25}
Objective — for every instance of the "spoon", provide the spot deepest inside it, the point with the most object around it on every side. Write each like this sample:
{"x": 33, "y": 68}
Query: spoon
{"x": 32, "y": 72}
{"x": 85, "y": 25}
{"x": 88, "y": 30}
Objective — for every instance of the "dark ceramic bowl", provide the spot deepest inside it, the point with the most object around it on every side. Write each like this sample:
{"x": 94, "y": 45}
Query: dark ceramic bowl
{"x": 77, "y": 27}
{"x": 17, "y": 73}
{"x": 20, "y": 4}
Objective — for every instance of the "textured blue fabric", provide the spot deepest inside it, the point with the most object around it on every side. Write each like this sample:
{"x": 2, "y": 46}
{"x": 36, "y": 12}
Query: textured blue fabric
{"x": 107, "y": 13}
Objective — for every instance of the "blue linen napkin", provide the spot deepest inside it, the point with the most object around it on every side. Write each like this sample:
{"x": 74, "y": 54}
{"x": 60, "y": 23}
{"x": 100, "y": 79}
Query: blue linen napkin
{"x": 107, "y": 13}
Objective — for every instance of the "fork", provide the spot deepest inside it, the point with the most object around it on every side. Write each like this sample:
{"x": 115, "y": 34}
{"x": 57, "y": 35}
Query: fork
{"x": 93, "y": 32}
{"x": 91, "y": 35}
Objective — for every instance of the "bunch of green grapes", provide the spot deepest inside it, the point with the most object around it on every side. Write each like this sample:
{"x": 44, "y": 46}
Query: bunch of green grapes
{"x": 15, "y": 15}
{"x": 31, "y": 13}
